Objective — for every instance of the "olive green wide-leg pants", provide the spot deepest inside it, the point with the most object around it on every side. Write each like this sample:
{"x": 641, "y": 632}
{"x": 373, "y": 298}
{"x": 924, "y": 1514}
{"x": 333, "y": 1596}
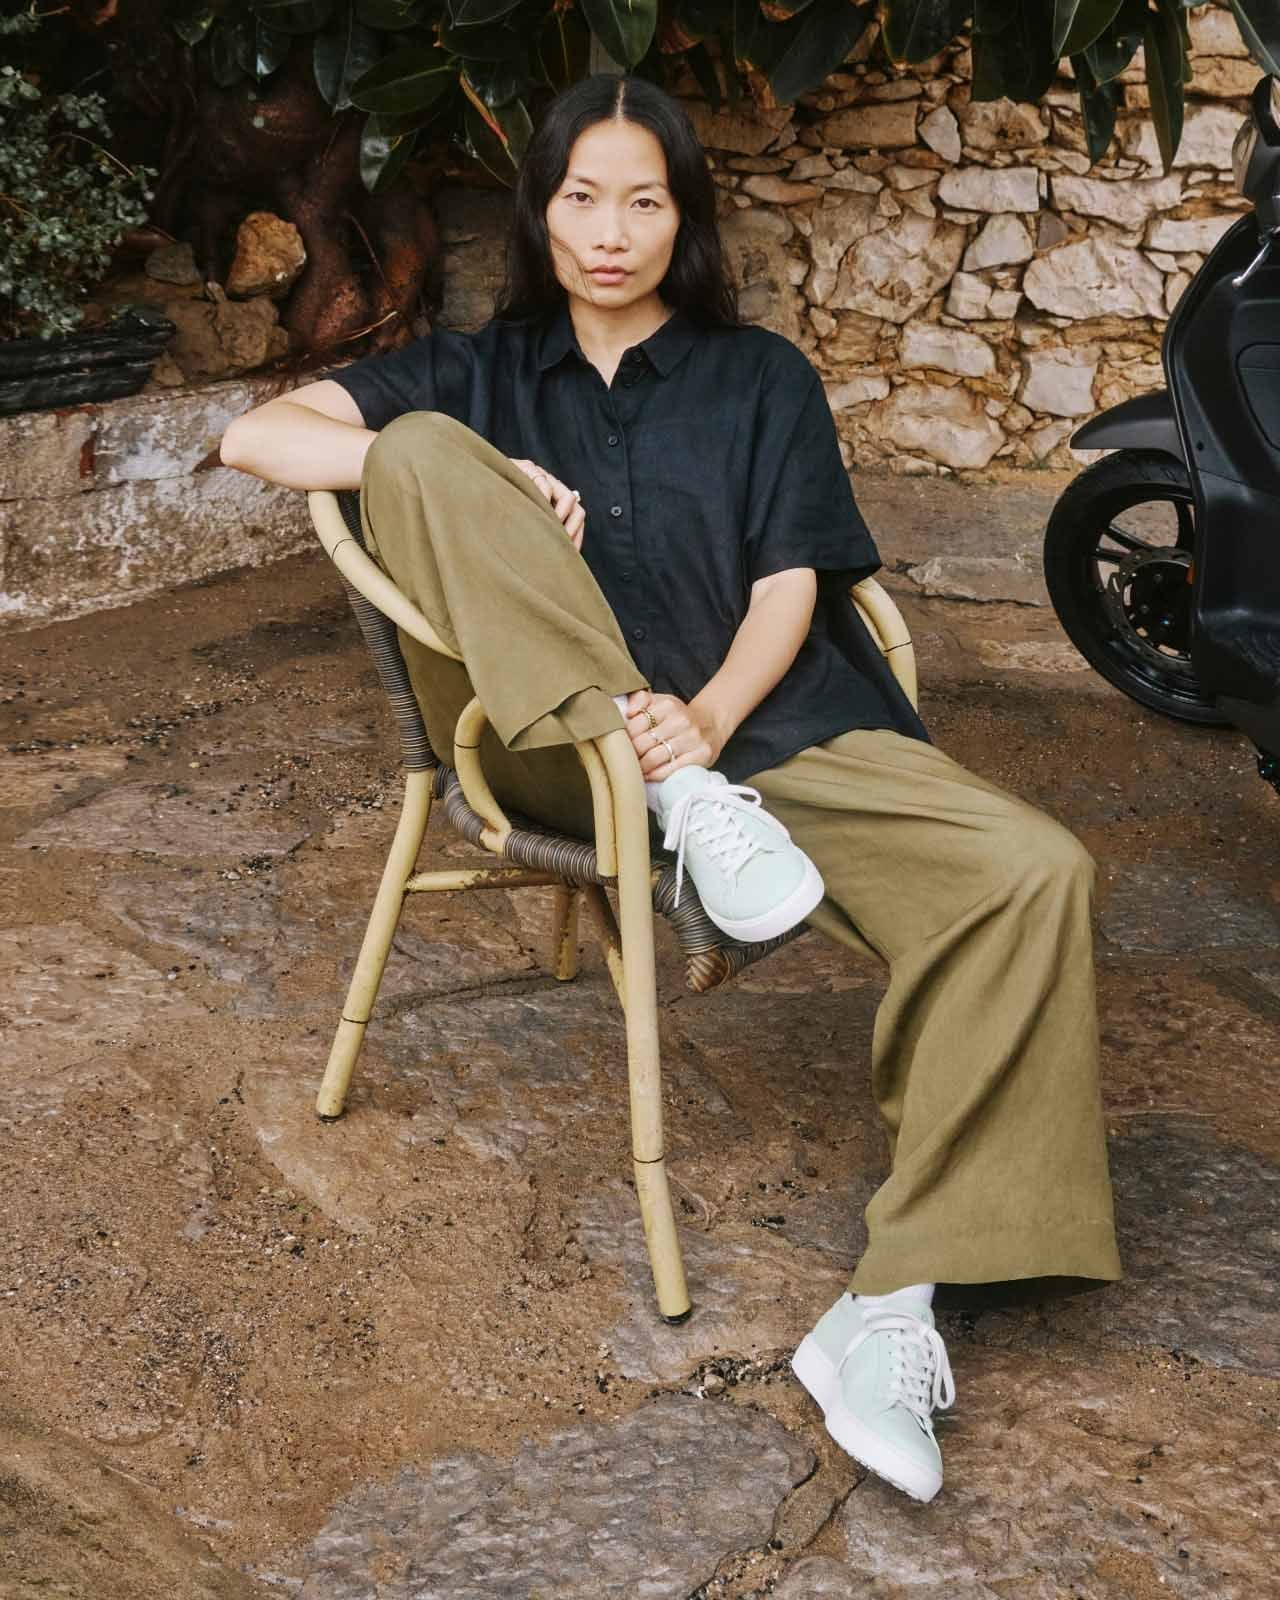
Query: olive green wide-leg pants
{"x": 985, "y": 1053}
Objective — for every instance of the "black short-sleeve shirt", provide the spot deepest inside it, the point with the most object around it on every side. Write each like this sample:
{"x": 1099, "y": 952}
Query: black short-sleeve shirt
{"x": 709, "y": 462}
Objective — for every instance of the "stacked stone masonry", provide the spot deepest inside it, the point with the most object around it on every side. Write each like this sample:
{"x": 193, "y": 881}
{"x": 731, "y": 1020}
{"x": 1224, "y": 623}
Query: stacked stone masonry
{"x": 968, "y": 284}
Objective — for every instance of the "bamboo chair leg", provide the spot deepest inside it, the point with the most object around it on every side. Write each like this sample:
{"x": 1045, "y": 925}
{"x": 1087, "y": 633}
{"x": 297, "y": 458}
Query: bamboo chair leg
{"x": 383, "y": 919}
{"x": 564, "y": 932}
{"x": 640, "y": 1007}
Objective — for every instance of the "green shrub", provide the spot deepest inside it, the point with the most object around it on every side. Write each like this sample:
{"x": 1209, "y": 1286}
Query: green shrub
{"x": 65, "y": 202}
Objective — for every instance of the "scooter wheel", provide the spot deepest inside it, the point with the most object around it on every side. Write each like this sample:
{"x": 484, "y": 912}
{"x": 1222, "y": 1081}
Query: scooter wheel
{"x": 1117, "y": 560}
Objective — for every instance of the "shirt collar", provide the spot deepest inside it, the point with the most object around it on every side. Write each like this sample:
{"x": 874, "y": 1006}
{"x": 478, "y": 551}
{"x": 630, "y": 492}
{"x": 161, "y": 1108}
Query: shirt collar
{"x": 663, "y": 348}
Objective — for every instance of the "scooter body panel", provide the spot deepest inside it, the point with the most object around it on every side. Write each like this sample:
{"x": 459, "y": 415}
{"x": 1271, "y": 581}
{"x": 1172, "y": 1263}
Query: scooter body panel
{"x": 1222, "y": 362}
{"x": 1146, "y": 422}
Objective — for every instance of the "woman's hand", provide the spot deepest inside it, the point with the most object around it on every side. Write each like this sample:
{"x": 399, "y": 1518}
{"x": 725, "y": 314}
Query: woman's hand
{"x": 654, "y": 718}
{"x": 564, "y": 500}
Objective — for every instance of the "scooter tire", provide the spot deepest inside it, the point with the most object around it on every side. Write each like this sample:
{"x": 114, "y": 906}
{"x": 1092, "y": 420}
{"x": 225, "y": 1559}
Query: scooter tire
{"x": 1117, "y": 483}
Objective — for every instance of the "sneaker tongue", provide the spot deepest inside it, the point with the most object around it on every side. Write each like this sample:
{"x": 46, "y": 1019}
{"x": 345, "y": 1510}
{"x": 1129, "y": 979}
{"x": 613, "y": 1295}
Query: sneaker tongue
{"x": 687, "y": 781}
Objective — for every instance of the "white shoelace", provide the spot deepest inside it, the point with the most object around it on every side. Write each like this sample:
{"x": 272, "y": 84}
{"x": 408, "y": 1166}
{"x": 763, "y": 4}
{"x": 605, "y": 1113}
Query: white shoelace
{"x": 714, "y": 817}
{"x": 919, "y": 1371}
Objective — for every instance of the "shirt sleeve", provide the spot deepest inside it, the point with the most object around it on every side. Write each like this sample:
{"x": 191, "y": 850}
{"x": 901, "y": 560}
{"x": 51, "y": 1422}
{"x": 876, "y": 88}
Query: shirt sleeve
{"x": 801, "y": 510}
{"x": 386, "y": 385}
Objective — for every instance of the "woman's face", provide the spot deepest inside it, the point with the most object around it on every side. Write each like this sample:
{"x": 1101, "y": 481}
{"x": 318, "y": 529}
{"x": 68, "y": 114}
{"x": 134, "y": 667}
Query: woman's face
{"x": 613, "y": 221}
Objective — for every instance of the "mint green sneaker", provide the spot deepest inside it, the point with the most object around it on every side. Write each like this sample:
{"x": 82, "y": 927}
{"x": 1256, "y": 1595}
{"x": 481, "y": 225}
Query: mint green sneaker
{"x": 752, "y": 881}
{"x": 878, "y": 1376}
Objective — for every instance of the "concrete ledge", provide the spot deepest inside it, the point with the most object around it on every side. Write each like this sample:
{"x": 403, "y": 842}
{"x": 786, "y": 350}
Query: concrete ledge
{"x": 101, "y": 505}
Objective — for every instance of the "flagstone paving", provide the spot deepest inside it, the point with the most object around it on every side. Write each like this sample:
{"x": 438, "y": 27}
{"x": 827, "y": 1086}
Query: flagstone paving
{"x": 413, "y": 1355}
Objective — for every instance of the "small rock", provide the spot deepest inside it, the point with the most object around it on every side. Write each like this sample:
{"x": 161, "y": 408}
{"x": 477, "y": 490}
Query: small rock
{"x": 173, "y": 263}
{"x": 872, "y": 127}
{"x": 269, "y": 257}
{"x": 811, "y": 167}
{"x": 1004, "y": 241}
{"x": 1200, "y": 234}
{"x": 982, "y": 189}
{"x": 856, "y": 391}
{"x": 1058, "y": 381}
{"x": 968, "y": 297}
{"x": 1093, "y": 278}
{"x": 928, "y": 344}
{"x": 1002, "y": 125}
{"x": 941, "y": 133}
{"x": 949, "y": 425}
{"x": 985, "y": 578}
{"x": 778, "y": 192}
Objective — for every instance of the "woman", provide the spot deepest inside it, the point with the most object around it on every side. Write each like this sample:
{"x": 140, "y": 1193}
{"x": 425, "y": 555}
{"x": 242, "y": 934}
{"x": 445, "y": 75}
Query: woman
{"x": 700, "y": 598}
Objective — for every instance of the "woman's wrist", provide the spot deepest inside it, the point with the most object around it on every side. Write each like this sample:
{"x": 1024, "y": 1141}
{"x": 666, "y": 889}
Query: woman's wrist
{"x": 718, "y": 725}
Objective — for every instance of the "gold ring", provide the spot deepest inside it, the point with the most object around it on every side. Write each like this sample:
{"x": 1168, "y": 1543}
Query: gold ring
{"x": 653, "y": 721}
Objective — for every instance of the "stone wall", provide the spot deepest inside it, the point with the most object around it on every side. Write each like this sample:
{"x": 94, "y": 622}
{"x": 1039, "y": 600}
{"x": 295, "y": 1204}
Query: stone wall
{"x": 969, "y": 286}
{"x": 103, "y": 504}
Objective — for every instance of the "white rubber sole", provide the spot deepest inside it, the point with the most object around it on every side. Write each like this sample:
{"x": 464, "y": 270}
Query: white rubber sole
{"x": 818, "y": 1375}
{"x": 780, "y": 918}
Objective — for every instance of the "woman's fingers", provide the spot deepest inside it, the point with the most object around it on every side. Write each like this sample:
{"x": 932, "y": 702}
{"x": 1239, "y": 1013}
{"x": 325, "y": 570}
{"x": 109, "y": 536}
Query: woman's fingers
{"x": 565, "y": 502}
{"x": 673, "y": 742}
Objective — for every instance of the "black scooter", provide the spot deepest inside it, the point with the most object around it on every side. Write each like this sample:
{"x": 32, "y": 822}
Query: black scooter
{"x": 1163, "y": 560}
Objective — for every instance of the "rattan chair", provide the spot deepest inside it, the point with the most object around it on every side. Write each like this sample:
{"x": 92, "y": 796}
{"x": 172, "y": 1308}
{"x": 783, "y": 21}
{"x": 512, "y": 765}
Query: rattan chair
{"x": 618, "y": 857}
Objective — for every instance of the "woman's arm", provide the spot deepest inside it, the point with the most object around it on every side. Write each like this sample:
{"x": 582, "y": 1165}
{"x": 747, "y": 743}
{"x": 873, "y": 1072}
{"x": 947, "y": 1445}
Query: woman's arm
{"x": 768, "y": 640}
{"x": 314, "y": 438}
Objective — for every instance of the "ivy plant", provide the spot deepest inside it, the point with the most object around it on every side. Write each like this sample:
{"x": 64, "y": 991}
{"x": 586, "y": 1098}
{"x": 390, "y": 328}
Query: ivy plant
{"x": 65, "y": 201}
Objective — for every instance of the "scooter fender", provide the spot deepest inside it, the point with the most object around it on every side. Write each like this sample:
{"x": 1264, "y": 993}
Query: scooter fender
{"x": 1147, "y": 422}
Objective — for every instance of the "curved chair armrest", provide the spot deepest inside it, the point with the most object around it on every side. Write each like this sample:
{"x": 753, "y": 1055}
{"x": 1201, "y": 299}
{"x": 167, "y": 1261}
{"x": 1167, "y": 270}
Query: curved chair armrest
{"x": 365, "y": 576}
{"x": 886, "y": 625}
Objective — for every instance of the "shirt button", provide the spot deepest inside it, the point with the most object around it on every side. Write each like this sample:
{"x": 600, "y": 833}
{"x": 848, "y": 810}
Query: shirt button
{"x": 613, "y": 438}
{"x": 627, "y": 576}
{"x": 639, "y": 633}
{"x": 615, "y": 511}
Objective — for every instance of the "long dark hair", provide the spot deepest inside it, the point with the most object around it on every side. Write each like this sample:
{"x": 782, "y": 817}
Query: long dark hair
{"x": 697, "y": 281}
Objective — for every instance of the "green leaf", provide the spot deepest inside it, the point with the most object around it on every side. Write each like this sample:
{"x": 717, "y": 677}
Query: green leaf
{"x": 497, "y": 42}
{"x": 704, "y": 70}
{"x": 1098, "y": 103}
{"x": 624, "y": 28}
{"x": 499, "y": 83}
{"x": 1162, "y": 45}
{"x": 704, "y": 17}
{"x": 914, "y": 30}
{"x": 411, "y": 77}
{"x": 758, "y": 42}
{"x": 484, "y": 145}
{"x": 1012, "y": 52}
{"x": 517, "y": 128}
{"x": 1260, "y": 29}
{"x": 267, "y": 51}
{"x": 1117, "y": 44}
{"x": 340, "y": 55}
{"x": 827, "y": 32}
{"x": 192, "y": 23}
{"x": 1077, "y": 23}
{"x": 293, "y": 16}
{"x": 230, "y": 43}
{"x": 391, "y": 15}
{"x": 382, "y": 154}
{"x": 474, "y": 13}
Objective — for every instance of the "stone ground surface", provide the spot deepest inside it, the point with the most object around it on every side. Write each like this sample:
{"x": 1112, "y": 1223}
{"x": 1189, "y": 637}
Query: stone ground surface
{"x": 415, "y": 1353}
